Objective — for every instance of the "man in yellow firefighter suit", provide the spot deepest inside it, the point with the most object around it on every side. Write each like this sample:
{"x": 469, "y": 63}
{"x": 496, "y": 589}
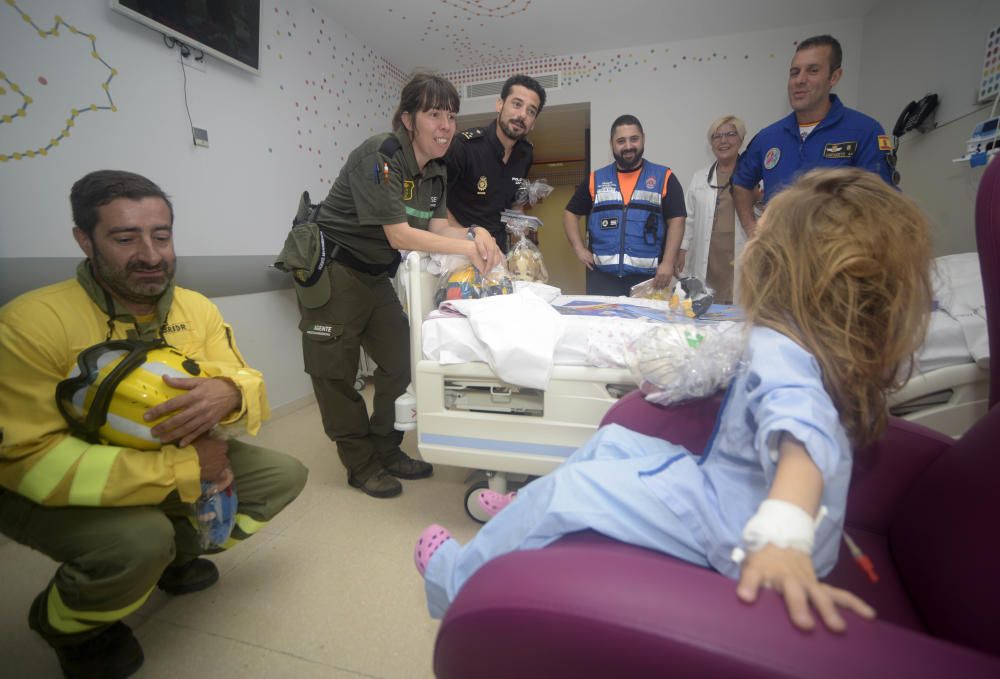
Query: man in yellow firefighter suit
{"x": 118, "y": 519}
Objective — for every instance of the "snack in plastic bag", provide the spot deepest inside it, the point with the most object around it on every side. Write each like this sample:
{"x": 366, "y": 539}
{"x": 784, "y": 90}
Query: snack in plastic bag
{"x": 497, "y": 282}
{"x": 524, "y": 259}
{"x": 530, "y": 193}
{"x": 519, "y": 226}
{"x": 463, "y": 281}
{"x": 645, "y": 290}
{"x": 678, "y": 362}
{"x": 690, "y": 297}
{"x": 215, "y": 513}
{"x": 525, "y": 262}
{"x": 463, "y": 284}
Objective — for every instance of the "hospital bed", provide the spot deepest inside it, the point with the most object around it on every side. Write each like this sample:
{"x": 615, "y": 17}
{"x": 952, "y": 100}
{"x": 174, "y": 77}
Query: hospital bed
{"x": 467, "y": 416}
{"x": 949, "y": 387}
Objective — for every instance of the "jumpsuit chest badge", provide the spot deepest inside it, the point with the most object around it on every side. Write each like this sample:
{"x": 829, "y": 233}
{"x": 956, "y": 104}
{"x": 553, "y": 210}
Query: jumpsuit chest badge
{"x": 407, "y": 189}
{"x": 842, "y": 149}
{"x": 772, "y": 157}
{"x": 481, "y": 186}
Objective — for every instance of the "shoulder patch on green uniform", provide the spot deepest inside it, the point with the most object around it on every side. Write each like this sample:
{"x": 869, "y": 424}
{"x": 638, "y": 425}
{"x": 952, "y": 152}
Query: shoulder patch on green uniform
{"x": 474, "y": 133}
{"x": 390, "y": 146}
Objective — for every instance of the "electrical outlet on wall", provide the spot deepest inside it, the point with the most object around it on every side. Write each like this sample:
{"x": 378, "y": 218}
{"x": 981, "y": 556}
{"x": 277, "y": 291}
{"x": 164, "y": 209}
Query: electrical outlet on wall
{"x": 200, "y": 136}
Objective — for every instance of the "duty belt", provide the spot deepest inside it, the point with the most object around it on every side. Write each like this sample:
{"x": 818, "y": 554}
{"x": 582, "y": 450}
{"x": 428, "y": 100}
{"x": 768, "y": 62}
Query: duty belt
{"x": 338, "y": 253}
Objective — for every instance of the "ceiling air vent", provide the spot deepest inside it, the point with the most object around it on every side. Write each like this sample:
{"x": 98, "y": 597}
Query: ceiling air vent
{"x": 491, "y": 88}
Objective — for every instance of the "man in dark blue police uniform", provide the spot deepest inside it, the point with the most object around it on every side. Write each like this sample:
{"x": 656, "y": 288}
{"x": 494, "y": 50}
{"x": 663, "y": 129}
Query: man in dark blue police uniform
{"x": 487, "y": 166}
{"x": 820, "y": 132}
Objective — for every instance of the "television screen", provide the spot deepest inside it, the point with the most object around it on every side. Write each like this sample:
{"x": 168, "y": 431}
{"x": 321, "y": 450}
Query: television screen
{"x": 226, "y": 29}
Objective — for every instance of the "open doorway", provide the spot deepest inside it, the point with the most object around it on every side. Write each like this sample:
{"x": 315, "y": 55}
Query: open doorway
{"x": 561, "y": 145}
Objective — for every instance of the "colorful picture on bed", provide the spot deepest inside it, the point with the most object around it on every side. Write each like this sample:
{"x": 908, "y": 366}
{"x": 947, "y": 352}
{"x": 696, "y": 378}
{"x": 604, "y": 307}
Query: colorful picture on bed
{"x": 717, "y": 312}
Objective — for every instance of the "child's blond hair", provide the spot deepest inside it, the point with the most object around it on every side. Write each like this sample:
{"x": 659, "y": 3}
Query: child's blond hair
{"x": 841, "y": 264}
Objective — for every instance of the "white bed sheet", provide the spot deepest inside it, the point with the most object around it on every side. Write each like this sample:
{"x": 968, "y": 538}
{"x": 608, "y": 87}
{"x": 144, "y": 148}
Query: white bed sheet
{"x": 594, "y": 341}
{"x": 945, "y": 344}
{"x": 598, "y": 342}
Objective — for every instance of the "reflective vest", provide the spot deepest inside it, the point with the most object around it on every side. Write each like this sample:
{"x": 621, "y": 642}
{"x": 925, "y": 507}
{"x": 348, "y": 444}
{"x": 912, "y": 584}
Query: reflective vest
{"x": 628, "y": 239}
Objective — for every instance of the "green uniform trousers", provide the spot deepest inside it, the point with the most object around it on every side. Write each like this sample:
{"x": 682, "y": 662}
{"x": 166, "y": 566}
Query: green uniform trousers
{"x": 112, "y": 557}
{"x": 363, "y": 311}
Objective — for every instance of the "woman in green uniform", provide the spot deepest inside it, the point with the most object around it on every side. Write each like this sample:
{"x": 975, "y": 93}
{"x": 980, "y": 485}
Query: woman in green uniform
{"x": 389, "y": 196}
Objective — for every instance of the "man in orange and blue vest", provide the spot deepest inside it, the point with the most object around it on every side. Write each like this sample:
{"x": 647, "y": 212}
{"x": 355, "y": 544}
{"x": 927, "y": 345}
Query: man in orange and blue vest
{"x": 635, "y": 217}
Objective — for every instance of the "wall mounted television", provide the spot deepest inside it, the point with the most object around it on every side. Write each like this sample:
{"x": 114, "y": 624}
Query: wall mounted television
{"x": 227, "y": 29}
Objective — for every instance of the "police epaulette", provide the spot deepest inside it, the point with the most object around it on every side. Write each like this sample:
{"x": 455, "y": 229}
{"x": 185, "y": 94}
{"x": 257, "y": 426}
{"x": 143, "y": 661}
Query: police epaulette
{"x": 390, "y": 146}
{"x": 474, "y": 133}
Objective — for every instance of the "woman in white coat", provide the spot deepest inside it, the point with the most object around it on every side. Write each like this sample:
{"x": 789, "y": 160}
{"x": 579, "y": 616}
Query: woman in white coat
{"x": 713, "y": 235}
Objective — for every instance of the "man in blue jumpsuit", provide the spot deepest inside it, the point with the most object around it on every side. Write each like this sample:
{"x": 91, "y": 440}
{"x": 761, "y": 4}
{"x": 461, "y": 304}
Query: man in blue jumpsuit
{"x": 820, "y": 132}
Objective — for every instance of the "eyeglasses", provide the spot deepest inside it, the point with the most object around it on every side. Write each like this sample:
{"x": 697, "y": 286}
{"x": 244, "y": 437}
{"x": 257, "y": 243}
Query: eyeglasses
{"x": 719, "y": 136}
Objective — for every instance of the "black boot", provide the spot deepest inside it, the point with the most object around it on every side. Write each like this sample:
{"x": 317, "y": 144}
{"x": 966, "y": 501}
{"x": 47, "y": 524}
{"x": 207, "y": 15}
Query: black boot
{"x": 402, "y": 466}
{"x": 379, "y": 485}
{"x": 112, "y": 653}
{"x": 194, "y": 576}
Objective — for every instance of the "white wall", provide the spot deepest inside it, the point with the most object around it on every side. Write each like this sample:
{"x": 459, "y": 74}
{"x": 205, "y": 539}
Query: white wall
{"x": 267, "y": 334}
{"x": 319, "y": 94}
{"x": 677, "y": 88}
{"x": 915, "y": 47}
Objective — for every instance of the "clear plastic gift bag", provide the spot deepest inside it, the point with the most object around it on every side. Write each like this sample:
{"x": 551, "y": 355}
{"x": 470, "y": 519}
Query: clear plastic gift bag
{"x": 691, "y": 297}
{"x": 677, "y": 362}
{"x": 531, "y": 193}
{"x": 525, "y": 263}
{"x": 520, "y": 226}
{"x": 645, "y": 290}
{"x": 524, "y": 259}
{"x": 459, "y": 279}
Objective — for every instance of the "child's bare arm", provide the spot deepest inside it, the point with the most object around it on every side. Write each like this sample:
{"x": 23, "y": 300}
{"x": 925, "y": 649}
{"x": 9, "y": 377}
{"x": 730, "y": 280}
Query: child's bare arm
{"x": 789, "y": 569}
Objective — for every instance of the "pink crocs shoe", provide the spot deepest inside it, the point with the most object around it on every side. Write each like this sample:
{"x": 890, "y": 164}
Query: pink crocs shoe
{"x": 492, "y": 502}
{"x": 433, "y": 537}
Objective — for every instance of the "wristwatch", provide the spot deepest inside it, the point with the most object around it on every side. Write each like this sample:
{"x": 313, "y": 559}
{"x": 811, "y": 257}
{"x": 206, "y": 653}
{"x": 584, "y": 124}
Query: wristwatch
{"x": 471, "y": 233}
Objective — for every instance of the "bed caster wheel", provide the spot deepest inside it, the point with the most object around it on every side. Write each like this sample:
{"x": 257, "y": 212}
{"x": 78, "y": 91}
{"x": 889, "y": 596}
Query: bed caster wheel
{"x": 472, "y": 508}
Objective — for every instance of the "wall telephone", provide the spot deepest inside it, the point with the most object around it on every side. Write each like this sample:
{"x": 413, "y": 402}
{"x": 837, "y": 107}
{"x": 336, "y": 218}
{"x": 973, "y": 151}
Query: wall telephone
{"x": 917, "y": 115}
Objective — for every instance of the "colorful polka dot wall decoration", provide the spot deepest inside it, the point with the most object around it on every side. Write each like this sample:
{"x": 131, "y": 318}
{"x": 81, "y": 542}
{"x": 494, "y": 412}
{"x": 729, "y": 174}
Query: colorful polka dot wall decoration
{"x": 601, "y": 67}
{"x": 336, "y": 91}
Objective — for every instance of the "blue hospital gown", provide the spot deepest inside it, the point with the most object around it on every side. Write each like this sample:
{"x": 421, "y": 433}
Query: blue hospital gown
{"x": 651, "y": 493}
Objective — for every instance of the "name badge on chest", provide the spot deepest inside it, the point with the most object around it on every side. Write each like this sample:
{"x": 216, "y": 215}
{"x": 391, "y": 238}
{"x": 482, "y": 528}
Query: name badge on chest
{"x": 842, "y": 149}
{"x": 609, "y": 223}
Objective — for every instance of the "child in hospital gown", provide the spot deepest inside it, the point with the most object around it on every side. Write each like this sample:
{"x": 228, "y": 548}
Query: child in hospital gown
{"x": 836, "y": 290}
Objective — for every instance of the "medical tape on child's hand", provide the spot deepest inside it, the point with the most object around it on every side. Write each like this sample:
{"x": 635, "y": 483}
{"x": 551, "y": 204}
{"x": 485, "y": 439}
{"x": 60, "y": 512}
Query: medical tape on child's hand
{"x": 782, "y": 524}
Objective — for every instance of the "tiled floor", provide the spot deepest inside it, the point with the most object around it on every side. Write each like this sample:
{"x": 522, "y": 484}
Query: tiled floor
{"x": 327, "y": 589}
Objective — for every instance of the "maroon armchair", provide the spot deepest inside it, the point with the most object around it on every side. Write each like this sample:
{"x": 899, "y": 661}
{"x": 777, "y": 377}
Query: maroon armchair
{"x": 924, "y": 507}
